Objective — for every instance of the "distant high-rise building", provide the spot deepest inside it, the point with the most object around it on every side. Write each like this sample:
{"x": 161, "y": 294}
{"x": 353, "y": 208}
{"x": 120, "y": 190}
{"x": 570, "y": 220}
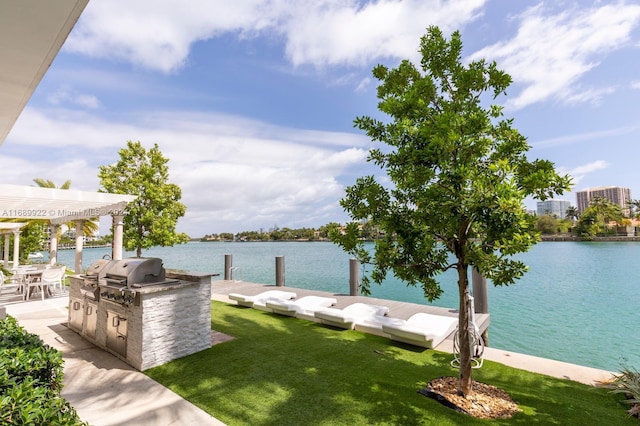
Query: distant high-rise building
{"x": 556, "y": 208}
{"x": 614, "y": 194}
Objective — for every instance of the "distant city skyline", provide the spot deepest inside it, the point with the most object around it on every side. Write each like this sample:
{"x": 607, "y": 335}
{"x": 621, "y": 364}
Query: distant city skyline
{"x": 554, "y": 207}
{"x": 617, "y": 195}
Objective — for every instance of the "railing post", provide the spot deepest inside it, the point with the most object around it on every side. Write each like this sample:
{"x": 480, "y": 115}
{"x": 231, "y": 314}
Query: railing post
{"x": 280, "y": 271}
{"x": 228, "y": 263}
{"x": 354, "y": 277}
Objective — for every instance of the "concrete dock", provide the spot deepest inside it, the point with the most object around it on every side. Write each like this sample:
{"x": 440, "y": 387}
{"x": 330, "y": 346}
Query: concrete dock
{"x": 403, "y": 310}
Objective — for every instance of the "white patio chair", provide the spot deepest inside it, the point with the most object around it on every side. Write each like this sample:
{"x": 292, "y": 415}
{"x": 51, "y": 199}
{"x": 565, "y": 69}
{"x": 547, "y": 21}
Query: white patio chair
{"x": 2, "y": 282}
{"x": 19, "y": 276}
{"x": 50, "y": 278}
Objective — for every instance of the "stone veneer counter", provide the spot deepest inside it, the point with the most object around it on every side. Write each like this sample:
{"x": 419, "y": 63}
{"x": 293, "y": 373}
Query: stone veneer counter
{"x": 158, "y": 323}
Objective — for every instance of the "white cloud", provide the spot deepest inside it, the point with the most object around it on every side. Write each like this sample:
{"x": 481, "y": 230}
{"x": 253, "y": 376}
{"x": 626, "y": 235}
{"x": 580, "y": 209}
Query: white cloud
{"x": 583, "y": 137}
{"x": 58, "y": 128}
{"x": 589, "y": 168}
{"x": 338, "y": 33}
{"x": 65, "y": 94}
{"x": 159, "y": 34}
{"x": 246, "y": 173}
{"x": 551, "y": 52}
{"x": 593, "y": 96}
{"x": 635, "y": 85}
{"x": 364, "y": 83}
{"x": 579, "y": 173}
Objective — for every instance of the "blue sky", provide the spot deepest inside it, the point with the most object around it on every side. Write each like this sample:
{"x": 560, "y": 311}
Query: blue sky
{"x": 253, "y": 101}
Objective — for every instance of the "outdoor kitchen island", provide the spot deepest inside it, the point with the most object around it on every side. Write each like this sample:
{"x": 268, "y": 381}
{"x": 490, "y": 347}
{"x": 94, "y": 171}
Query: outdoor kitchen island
{"x": 141, "y": 313}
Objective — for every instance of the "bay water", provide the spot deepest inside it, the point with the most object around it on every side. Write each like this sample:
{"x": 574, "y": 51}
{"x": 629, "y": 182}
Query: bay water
{"x": 579, "y": 302}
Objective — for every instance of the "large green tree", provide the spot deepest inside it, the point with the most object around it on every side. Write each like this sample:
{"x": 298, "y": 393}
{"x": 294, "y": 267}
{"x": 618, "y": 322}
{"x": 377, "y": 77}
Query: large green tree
{"x": 459, "y": 176}
{"x": 152, "y": 217}
{"x": 606, "y": 211}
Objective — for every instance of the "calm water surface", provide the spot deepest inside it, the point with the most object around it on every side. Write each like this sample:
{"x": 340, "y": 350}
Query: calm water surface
{"x": 579, "y": 302}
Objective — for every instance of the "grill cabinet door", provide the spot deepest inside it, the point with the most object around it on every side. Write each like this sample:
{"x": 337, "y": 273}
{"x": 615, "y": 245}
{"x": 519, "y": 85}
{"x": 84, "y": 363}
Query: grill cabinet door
{"x": 75, "y": 314}
{"x": 117, "y": 333}
{"x": 90, "y": 319}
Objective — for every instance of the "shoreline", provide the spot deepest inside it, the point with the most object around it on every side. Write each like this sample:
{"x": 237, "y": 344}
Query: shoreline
{"x": 571, "y": 238}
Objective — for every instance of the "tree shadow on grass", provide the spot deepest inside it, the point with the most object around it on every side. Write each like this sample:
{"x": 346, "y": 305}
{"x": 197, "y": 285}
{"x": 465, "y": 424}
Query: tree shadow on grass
{"x": 283, "y": 370}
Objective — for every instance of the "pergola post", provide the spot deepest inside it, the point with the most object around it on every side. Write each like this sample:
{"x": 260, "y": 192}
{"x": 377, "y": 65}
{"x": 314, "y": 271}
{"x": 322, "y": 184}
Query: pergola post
{"x": 116, "y": 248}
{"x": 53, "y": 244}
{"x": 79, "y": 244}
{"x": 16, "y": 248}
{"x": 6, "y": 250}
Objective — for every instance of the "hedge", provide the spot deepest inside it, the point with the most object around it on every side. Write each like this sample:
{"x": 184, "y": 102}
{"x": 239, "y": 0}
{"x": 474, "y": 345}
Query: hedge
{"x": 31, "y": 380}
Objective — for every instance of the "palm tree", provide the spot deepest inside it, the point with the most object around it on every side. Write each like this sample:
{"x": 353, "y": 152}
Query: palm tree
{"x": 634, "y": 208}
{"x": 606, "y": 210}
{"x": 49, "y": 184}
{"x": 572, "y": 213}
{"x": 90, "y": 226}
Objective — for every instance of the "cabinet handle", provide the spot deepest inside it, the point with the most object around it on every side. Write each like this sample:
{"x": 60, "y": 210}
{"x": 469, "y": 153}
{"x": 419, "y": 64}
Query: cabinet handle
{"x": 76, "y": 306}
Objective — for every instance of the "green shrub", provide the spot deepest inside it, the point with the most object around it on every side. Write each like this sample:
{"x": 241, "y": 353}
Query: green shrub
{"x": 14, "y": 336}
{"x": 42, "y": 364}
{"x": 30, "y": 380}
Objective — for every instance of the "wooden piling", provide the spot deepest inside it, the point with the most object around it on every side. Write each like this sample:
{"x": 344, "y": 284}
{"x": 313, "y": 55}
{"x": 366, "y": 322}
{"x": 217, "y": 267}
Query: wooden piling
{"x": 280, "y": 271}
{"x": 354, "y": 277}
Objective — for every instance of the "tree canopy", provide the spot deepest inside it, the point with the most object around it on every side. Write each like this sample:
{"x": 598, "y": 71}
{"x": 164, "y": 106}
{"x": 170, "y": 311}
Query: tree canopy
{"x": 152, "y": 217}
{"x": 459, "y": 175}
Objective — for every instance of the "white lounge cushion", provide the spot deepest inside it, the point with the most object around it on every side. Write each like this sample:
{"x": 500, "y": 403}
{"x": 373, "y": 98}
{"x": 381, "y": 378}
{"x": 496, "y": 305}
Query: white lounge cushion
{"x": 377, "y": 321}
{"x": 303, "y": 307}
{"x": 258, "y": 301}
{"x": 348, "y": 316}
{"x": 422, "y": 329}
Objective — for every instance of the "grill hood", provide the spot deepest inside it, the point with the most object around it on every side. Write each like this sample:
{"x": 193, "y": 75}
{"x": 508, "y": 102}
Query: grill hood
{"x": 133, "y": 272}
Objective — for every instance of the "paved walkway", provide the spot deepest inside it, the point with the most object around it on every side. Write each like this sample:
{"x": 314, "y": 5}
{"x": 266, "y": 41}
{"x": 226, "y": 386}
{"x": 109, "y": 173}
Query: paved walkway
{"x": 103, "y": 389}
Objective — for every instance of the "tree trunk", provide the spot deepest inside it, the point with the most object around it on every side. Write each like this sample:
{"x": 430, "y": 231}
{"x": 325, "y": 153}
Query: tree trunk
{"x": 138, "y": 251}
{"x": 464, "y": 340}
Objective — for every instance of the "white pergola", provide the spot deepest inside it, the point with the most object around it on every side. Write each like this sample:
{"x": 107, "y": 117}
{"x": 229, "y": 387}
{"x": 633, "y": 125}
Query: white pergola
{"x": 32, "y": 33}
{"x": 59, "y": 206}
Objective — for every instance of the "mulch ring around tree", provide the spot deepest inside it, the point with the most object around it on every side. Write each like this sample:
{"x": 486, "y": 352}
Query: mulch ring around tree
{"x": 485, "y": 401}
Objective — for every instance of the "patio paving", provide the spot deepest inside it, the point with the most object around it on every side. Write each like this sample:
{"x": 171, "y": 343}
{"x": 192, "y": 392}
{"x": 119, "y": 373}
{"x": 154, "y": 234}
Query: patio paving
{"x": 103, "y": 389}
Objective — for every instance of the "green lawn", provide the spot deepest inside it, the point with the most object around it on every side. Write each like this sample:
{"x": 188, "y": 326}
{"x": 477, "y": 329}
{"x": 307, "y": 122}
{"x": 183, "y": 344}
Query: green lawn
{"x": 287, "y": 371}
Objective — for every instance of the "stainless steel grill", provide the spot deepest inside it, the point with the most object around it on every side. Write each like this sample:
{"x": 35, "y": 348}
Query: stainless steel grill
{"x": 90, "y": 278}
{"x": 133, "y": 272}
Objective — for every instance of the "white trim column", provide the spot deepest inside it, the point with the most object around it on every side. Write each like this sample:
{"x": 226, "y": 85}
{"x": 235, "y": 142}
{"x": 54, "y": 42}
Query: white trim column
{"x": 79, "y": 244}
{"x": 16, "y": 248}
{"x": 53, "y": 244}
{"x": 116, "y": 248}
{"x": 6, "y": 250}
